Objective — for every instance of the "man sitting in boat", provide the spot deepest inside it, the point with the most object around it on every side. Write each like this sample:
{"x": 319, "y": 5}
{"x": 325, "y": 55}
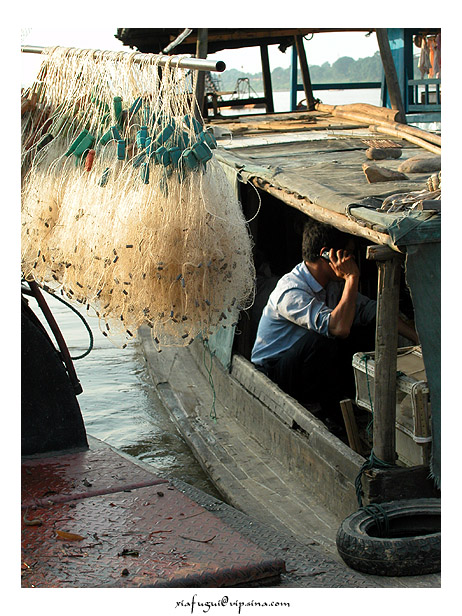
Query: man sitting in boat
{"x": 315, "y": 320}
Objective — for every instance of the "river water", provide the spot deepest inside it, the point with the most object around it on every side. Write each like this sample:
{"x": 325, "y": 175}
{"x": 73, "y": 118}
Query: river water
{"x": 281, "y": 100}
{"x": 119, "y": 405}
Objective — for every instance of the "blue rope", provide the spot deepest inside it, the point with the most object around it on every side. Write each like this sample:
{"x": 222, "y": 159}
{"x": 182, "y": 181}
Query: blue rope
{"x": 372, "y": 462}
{"x": 380, "y": 517}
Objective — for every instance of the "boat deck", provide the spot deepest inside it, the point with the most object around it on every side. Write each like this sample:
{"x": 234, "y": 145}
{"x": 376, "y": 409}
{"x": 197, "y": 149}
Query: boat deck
{"x": 99, "y": 519}
{"x": 95, "y": 519}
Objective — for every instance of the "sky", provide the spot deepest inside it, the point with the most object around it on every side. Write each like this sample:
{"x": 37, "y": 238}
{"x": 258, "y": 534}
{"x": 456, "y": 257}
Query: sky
{"x": 323, "y": 47}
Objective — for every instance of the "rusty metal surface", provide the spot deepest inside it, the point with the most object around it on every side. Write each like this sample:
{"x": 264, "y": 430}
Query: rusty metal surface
{"x": 132, "y": 536}
{"x": 99, "y": 470}
{"x": 308, "y": 565}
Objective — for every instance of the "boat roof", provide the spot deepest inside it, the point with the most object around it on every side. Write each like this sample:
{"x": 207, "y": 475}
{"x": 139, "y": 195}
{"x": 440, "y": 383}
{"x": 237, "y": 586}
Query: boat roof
{"x": 314, "y": 161}
{"x": 154, "y": 40}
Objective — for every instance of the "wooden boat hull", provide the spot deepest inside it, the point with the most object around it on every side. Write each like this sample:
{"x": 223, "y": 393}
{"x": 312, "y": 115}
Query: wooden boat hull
{"x": 266, "y": 454}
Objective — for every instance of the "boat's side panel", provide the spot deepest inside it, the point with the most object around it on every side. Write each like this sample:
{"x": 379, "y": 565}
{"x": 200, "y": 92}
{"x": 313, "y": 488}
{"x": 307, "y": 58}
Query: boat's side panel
{"x": 51, "y": 419}
{"x": 325, "y": 465}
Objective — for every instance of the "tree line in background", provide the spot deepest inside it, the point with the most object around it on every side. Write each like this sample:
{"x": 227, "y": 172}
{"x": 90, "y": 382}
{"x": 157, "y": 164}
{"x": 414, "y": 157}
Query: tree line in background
{"x": 343, "y": 70}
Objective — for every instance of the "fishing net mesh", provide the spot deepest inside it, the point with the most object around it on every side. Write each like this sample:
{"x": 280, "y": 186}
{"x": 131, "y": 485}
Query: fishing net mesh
{"x": 124, "y": 206}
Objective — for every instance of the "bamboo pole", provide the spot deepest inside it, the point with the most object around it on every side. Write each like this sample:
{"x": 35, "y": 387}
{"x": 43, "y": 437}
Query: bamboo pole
{"x": 179, "y": 39}
{"x": 201, "y": 52}
{"x": 381, "y": 113}
{"x": 396, "y": 132}
{"x": 349, "y": 112}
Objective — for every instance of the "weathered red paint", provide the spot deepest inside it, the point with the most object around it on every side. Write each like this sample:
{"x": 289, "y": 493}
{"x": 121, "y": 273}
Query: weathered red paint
{"x": 134, "y": 529}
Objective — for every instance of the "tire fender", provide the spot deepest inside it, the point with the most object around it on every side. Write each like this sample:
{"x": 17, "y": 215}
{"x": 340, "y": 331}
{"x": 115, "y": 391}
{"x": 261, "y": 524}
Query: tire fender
{"x": 396, "y": 538}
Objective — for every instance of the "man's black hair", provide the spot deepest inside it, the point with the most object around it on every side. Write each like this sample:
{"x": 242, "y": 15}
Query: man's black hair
{"x": 317, "y": 235}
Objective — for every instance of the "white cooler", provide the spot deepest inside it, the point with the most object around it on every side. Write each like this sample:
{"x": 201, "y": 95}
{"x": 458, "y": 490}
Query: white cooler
{"x": 413, "y": 423}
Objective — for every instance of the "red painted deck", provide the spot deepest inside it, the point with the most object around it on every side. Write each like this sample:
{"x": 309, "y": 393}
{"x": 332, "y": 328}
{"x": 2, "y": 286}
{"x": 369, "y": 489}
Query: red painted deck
{"x": 128, "y": 528}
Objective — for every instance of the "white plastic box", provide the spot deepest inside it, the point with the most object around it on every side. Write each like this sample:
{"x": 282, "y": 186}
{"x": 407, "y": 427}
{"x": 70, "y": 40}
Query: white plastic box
{"x": 413, "y": 412}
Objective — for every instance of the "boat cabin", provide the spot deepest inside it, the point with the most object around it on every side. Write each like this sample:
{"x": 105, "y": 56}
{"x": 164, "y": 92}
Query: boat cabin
{"x": 286, "y": 167}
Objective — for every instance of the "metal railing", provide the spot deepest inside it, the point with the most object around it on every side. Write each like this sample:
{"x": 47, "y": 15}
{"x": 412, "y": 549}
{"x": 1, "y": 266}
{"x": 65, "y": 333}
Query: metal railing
{"x": 424, "y": 95}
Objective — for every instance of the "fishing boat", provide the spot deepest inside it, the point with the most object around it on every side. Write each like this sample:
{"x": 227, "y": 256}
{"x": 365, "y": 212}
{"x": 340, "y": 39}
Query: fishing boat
{"x": 246, "y": 432}
{"x": 243, "y": 96}
{"x": 267, "y": 453}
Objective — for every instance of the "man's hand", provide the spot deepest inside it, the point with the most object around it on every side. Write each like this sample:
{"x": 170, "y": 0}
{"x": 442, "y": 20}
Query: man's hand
{"x": 343, "y": 264}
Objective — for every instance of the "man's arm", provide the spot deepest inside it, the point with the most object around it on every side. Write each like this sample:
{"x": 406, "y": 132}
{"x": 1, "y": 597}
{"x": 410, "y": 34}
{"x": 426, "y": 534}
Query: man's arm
{"x": 342, "y": 316}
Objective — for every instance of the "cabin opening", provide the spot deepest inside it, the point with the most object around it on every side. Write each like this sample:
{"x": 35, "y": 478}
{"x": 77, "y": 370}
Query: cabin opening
{"x": 276, "y": 230}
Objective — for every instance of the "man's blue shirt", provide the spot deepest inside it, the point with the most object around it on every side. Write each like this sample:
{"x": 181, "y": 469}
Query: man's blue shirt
{"x": 299, "y": 303}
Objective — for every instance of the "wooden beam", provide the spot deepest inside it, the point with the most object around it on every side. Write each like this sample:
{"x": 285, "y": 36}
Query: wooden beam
{"x": 234, "y": 102}
{"x": 201, "y": 52}
{"x": 340, "y": 221}
{"x": 390, "y": 73}
{"x": 382, "y": 485}
{"x": 273, "y": 33}
{"x": 351, "y": 427}
{"x": 380, "y": 253}
{"x": 386, "y": 345}
{"x": 267, "y": 86}
{"x": 310, "y": 103}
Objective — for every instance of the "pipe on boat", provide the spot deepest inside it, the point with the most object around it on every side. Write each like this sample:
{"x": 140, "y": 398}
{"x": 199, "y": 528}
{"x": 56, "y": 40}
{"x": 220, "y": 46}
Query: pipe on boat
{"x": 197, "y": 64}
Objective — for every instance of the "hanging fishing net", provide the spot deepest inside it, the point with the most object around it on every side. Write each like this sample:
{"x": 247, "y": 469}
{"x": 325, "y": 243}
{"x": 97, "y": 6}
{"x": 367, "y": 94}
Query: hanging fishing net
{"x": 124, "y": 206}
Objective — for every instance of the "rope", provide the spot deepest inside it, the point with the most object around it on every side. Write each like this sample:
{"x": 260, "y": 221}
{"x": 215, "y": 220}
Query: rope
{"x": 380, "y": 517}
{"x": 87, "y": 327}
{"x": 372, "y": 462}
{"x": 213, "y": 413}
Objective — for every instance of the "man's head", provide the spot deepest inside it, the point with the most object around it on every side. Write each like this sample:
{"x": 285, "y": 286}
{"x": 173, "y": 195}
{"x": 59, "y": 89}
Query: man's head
{"x": 317, "y": 236}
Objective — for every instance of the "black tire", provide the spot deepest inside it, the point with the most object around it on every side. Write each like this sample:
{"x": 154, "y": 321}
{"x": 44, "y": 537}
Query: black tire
{"x": 411, "y": 545}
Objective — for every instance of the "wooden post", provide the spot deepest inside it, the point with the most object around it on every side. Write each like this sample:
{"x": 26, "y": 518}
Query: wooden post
{"x": 390, "y": 73}
{"x": 310, "y": 103}
{"x": 294, "y": 79}
{"x": 267, "y": 86}
{"x": 349, "y": 419}
{"x": 386, "y": 345}
{"x": 201, "y": 52}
